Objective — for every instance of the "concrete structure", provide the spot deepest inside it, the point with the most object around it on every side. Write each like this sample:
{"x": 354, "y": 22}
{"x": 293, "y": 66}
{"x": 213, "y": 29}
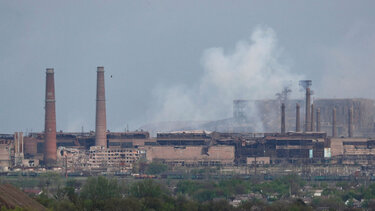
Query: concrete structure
{"x": 6, "y": 151}
{"x": 258, "y": 160}
{"x": 129, "y": 139}
{"x": 191, "y": 155}
{"x": 50, "y": 120}
{"x": 73, "y": 159}
{"x": 118, "y": 159}
{"x": 101, "y": 124}
{"x": 18, "y": 149}
{"x": 184, "y": 138}
{"x": 363, "y": 116}
{"x": 352, "y": 146}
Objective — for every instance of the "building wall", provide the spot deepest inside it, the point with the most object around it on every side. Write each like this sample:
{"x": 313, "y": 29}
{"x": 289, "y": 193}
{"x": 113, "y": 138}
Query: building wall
{"x": 191, "y": 154}
{"x": 337, "y": 145}
{"x": 363, "y": 115}
{"x": 258, "y": 160}
{"x": 122, "y": 159}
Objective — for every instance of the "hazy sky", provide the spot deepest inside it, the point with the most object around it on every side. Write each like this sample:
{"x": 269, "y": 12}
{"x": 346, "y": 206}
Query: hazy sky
{"x": 152, "y": 47}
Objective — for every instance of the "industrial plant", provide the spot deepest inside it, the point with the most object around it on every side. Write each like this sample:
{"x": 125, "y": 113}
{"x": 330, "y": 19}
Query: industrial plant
{"x": 309, "y": 134}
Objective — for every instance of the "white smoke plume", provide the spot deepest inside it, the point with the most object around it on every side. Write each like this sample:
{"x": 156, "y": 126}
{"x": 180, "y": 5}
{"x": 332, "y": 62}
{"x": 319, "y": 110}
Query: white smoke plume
{"x": 252, "y": 70}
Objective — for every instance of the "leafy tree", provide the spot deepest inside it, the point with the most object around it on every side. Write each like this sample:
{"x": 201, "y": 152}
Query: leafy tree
{"x": 252, "y": 205}
{"x": 221, "y": 205}
{"x": 146, "y": 188}
{"x": 45, "y": 200}
{"x": 183, "y": 204}
{"x": 369, "y": 193}
{"x": 156, "y": 168}
{"x": 97, "y": 190}
{"x": 64, "y": 205}
{"x": 186, "y": 187}
{"x": 129, "y": 204}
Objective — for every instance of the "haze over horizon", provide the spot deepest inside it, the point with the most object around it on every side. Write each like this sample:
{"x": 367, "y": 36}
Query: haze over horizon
{"x": 167, "y": 60}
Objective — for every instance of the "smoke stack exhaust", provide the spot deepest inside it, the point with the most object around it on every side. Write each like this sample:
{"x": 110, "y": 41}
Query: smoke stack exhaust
{"x": 282, "y": 118}
{"x": 312, "y": 118}
{"x": 298, "y": 118}
{"x": 350, "y": 122}
{"x": 334, "y": 132}
{"x": 101, "y": 125}
{"x": 318, "y": 120}
{"x": 50, "y": 152}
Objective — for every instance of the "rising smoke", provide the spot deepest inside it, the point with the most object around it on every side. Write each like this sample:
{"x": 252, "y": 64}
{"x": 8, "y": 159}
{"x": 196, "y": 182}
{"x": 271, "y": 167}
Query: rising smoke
{"x": 253, "y": 70}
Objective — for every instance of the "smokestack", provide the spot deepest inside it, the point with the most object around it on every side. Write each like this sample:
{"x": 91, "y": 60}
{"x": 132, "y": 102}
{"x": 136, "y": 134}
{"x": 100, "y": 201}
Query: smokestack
{"x": 318, "y": 120}
{"x": 282, "y": 118}
{"x": 307, "y": 112}
{"x": 350, "y": 122}
{"x": 101, "y": 125}
{"x": 334, "y": 131}
{"x": 50, "y": 154}
{"x": 298, "y": 118}
{"x": 312, "y": 117}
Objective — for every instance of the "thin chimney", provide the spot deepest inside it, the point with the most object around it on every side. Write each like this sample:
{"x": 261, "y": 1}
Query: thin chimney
{"x": 282, "y": 118}
{"x": 312, "y": 118}
{"x": 101, "y": 125}
{"x": 318, "y": 119}
{"x": 308, "y": 112}
{"x": 298, "y": 118}
{"x": 350, "y": 122}
{"x": 334, "y": 131}
{"x": 50, "y": 152}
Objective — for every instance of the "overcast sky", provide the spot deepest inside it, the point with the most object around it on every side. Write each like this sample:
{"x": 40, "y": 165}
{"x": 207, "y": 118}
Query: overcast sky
{"x": 146, "y": 45}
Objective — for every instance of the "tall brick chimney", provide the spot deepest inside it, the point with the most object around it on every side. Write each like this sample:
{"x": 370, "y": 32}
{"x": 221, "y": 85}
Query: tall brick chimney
{"x": 101, "y": 125}
{"x": 50, "y": 152}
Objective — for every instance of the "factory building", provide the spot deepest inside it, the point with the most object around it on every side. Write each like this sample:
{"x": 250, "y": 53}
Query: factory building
{"x": 363, "y": 116}
{"x": 268, "y": 112}
{"x": 191, "y": 155}
{"x": 120, "y": 159}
